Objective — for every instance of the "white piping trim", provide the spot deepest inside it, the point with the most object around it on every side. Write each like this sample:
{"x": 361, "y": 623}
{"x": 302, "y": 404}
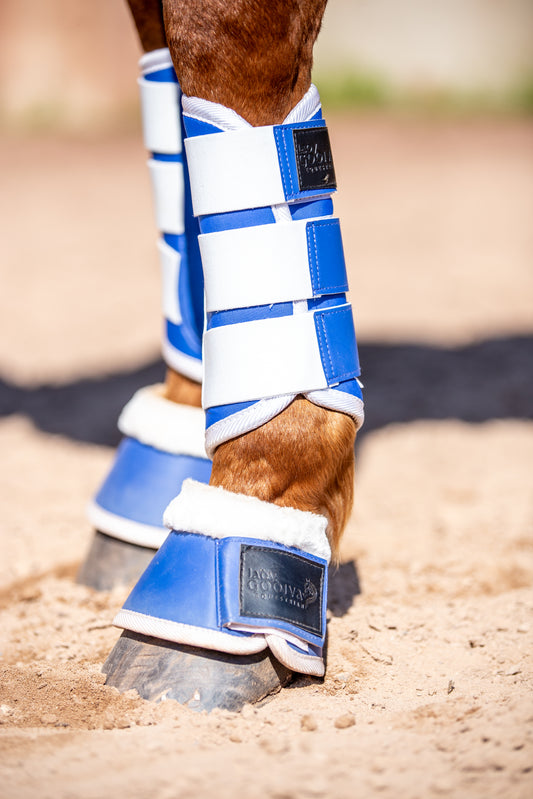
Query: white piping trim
{"x": 339, "y": 401}
{"x": 243, "y": 421}
{"x": 188, "y": 634}
{"x": 165, "y": 425}
{"x": 215, "y": 512}
{"x": 296, "y": 661}
{"x": 143, "y": 535}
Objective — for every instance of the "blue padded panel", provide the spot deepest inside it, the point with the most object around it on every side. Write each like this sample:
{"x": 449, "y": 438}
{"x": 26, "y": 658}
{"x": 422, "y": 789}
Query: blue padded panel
{"x": 166, "y": 75}
{"x": 310, "y": 208}
{"x": 194, "y": 579}
{"x": 176, "y": 157}
{"x": 212, "y": 223}
{"x": 179, "y": 583}
{"x": 254, "y": 312}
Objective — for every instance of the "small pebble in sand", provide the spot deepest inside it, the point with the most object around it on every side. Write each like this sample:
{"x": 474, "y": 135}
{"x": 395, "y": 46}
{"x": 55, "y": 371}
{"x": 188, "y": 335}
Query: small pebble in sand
{"x": 347, "y": 720}
{"x": 308, "y": 723}
{"x": 48, "y": 718}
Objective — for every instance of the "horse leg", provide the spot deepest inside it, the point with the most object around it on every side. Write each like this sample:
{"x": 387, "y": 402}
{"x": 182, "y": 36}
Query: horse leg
{"x": 163, "y": 425}
{"x": 235, "y": 597}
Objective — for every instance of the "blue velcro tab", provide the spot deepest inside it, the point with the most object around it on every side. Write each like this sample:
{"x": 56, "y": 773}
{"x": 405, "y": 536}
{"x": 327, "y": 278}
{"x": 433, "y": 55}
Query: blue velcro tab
{"x": 143, "y": 480}
{"x": 305, "y": 159}
{"x": 338, "y": 348}
{"x": 326, "y": 257}
{"x": 212, "y": 583}
{"x": 269, "y": 585}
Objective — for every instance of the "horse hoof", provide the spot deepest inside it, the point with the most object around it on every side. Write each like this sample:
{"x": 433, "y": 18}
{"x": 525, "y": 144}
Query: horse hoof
{"x": 199, "y": 678}
{"x": 112, "y": 563}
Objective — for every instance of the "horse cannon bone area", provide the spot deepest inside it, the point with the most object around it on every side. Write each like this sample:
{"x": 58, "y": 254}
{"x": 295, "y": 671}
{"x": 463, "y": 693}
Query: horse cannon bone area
{"x": 234, "y": 480}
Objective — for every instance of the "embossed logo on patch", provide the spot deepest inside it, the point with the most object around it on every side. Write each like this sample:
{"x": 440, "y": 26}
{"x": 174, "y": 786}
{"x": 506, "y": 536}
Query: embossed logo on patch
{"x": 280, "y": 585}
{"x": 314, "y": 160}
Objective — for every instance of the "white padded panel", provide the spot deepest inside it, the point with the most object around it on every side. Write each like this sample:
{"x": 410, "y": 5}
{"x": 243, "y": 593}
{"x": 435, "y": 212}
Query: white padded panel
{"x": 233, "y": 171}
{"x": 262, "y": 358}
{"x": 167, "y": 184}
{"x": 170, "y": 261}
{"x": 256, "y": 266}
{"x": 160, "y": 111}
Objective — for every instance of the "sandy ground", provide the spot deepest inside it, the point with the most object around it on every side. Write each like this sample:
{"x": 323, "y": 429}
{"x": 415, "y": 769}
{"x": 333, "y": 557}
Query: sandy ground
{"x": 428, "y": 691}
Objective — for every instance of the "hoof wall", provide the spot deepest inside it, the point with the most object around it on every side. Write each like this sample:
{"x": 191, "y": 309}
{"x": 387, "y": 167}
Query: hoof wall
{"x": 112, "y": 563}
{"x": 198, "y": 678}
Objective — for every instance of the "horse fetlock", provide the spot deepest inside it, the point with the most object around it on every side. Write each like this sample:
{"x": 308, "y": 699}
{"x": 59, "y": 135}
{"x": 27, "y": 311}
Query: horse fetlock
{"x": 303, "y": 458}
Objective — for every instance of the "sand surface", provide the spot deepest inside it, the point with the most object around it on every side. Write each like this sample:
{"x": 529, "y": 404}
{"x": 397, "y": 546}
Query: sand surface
{"x": 428, "y": 690}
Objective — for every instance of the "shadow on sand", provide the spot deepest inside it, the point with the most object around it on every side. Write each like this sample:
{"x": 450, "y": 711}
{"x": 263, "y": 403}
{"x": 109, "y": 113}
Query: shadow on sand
{"x": 492, "y": 379}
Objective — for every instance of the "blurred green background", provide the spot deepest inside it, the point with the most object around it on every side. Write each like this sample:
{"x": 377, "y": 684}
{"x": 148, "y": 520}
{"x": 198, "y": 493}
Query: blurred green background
{"x": 73, "y": 65}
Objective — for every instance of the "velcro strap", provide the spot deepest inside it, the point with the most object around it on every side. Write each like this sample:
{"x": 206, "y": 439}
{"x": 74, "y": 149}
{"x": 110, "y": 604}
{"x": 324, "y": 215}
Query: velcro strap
{"x": 282, "y": 355}
{"x": 167, "y": 183}
{"x": 258, "y": 167}
{"x": 170, "y": 261}
{"x": 264, "y": 585}
{"x": 274, "y": 263}
{"x": 160, "y": 106}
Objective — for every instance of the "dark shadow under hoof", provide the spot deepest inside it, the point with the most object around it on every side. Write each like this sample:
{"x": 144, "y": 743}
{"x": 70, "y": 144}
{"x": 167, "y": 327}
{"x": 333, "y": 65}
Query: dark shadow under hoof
{"x": 198, "y": 678}
{"x": 112, "y": 563}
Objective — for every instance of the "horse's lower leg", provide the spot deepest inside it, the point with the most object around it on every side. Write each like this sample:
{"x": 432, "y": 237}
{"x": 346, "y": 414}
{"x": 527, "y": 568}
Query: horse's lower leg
{"x": 256, "y": 58}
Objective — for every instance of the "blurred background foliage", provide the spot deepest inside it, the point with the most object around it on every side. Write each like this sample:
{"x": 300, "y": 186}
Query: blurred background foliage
{"x": 67, "y": 64}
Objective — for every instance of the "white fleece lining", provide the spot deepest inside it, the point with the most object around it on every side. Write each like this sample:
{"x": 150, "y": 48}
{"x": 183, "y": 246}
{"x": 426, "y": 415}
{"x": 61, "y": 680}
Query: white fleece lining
{"x": 189, "y": 634}
{"x": 143, "y": 535}
{"x": 215, "y": 512}
{"x": 165, "y": 425}
{"x": 226, "y": 118}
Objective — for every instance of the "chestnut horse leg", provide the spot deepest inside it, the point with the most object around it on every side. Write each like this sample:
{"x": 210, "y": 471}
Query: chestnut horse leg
{"x": 148, "y": 469}
{"x": 293, "y": 471}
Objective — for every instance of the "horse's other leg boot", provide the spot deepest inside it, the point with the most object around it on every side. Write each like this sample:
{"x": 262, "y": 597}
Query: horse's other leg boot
{"x": 163, "y": 440}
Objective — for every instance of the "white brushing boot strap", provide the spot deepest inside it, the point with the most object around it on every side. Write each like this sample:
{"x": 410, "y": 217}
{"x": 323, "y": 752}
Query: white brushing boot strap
{"x": 160, "y": 97}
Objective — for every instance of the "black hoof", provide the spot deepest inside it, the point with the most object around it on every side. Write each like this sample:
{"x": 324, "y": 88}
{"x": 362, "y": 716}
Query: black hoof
{"x": 198, "y": 678}
{"x": 112, "y": 563}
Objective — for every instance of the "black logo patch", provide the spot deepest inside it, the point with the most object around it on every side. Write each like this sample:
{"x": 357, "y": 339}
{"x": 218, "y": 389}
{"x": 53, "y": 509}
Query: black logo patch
{"x": 313, "y": 159}
{"x": 280, "y": 585}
